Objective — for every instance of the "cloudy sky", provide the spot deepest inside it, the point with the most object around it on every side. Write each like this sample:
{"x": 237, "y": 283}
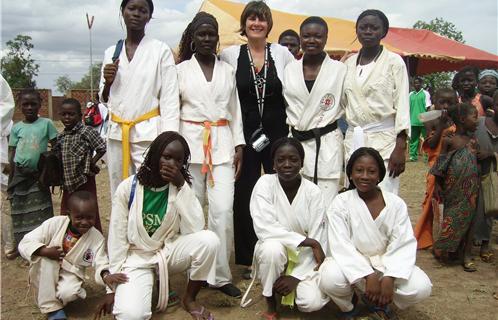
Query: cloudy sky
{"x": 61, "y": 39}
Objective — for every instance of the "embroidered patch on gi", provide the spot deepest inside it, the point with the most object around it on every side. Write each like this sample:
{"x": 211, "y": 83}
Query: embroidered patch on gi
{"x": 88, "y": 256}
{"x": 327, "y": 102}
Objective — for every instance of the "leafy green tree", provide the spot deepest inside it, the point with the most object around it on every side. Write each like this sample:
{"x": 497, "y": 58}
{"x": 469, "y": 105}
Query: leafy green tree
{"x": 446, "y": 29}
{"x": 17, "y": 66}
{"x": 63, "y": 83}
{"x": 84, "y": 83}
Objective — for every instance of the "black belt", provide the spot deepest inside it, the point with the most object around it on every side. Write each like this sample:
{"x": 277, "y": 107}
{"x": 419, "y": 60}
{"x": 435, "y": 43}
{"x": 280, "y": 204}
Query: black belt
{"x": 316, "y": 133}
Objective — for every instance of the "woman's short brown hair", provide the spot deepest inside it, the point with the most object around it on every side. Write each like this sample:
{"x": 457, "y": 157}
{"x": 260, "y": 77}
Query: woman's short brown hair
{"x": 258, "y": 8}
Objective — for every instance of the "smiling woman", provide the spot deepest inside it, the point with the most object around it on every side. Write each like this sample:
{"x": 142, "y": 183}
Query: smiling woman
{"x": 313, "y": 89}
{"x": 259, "y": 71}
{"x": 140, "y": 87}
{"x": 211, "y": 122}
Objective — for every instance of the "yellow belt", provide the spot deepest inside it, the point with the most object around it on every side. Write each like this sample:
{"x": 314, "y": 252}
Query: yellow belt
{"x": 126, "y": 125}
{"x": 207, "y": 163}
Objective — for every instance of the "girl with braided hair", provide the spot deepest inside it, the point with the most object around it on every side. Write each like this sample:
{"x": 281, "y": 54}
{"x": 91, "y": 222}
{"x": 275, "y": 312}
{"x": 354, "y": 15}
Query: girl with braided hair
{"x": 157, "y": 224}
{"x": 211, "y": 123}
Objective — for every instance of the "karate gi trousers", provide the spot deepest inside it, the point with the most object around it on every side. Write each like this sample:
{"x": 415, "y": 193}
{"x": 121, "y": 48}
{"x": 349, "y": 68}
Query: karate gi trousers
{"x": 195, "y": 252}
{"x": 220, "y": 211}
{"x": 271, "y": 259}
{"x": 115, "y": 160}
{"x": 53, "y": 286}
{"x": 406, "y": 292}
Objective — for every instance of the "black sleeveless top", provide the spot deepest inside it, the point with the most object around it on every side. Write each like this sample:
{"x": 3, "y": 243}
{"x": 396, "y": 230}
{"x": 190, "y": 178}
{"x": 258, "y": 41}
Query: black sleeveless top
{"x": 274, "y": 115}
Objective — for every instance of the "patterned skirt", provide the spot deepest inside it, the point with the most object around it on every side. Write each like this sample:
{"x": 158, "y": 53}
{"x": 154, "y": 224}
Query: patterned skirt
{"x": 31, "y": 204}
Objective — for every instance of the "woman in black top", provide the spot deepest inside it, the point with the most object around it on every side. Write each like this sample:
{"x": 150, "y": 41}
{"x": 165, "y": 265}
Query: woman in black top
{"x": 260, "y": 67}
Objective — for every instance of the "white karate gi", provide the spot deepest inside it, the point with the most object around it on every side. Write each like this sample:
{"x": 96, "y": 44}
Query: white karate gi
{"x": 316, "y": 109}
{"x": 377, "y": 107}
{"x": 145, "y": 83}
{"x": 282, "y": 226}
{"x": 178, "y": 245}
{"x": 360, "y": 245}
{"x": 56, "y": 284}
{"x": 203, "y": 103}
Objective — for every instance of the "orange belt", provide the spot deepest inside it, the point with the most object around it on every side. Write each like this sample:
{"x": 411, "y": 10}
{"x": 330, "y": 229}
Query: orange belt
{"x": 126, "y": 125}
{"x": 207, "y": 163}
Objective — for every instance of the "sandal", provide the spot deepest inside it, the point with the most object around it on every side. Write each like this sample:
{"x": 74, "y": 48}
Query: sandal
{"x": 173, "y": 299}
{"x": 200, "y": 313}
{"x": 469, "y": 266}
{"x": 380, "y": 313}
{"x": 268, "y": 315}
{"x": 57, "y": 315}
{"x": 487, "y": 256}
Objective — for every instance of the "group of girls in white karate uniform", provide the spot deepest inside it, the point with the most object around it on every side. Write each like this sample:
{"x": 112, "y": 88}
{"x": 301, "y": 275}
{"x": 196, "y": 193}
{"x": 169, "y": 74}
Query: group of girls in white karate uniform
{"x": 240, "y": 107}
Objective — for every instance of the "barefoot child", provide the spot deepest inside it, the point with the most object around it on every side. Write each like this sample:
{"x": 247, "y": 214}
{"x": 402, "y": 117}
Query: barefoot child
{"x": 372, "y": 244}
{"x": 435, "y": 129}
{"x": 31, "y": 204}
{"x": 76, "y": 146}
{"x": 60, "y": 250}
{"x": 457, "y": 185}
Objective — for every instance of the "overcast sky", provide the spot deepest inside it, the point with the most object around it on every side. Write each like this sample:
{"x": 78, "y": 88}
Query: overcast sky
{"x": 61, "y": 39}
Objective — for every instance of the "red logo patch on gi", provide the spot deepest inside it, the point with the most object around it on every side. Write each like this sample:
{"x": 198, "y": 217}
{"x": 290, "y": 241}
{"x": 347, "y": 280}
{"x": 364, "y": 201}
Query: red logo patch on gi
{"x": 327, "y": 102}
{"x": 88, "y": 256}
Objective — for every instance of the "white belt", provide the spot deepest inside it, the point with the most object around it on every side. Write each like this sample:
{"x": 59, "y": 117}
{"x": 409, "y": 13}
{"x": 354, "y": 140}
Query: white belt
{"x": 359, "y": 132}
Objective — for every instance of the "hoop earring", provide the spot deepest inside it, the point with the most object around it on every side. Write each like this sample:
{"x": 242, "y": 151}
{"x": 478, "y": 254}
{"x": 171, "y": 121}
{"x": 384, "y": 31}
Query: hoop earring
{"x": 218, "y": 47}
{"x": 192, "y": 46}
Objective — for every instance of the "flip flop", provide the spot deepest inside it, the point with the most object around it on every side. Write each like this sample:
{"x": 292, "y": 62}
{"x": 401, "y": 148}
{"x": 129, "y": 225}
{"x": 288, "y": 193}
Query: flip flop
{"x": 469, "y": 267}
{"x": 200, "y": 313}
{"x": 173, "y": 299}
{"x": 268, "y": 315}
{"x": 380, "y": 313}
{"x": 487, "y": 257}
{"x": 57, "y": 315}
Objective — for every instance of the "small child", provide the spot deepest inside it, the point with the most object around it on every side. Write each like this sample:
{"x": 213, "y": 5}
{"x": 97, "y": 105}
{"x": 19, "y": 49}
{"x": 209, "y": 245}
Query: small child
{"x": 31, "y": 204}
{"x": 436, "y": 129}
{"x": 76, "y": 146}
{"x": 467, "y": 88}
{"x": 457, "y": 186}
{"x": 60, "y": 250}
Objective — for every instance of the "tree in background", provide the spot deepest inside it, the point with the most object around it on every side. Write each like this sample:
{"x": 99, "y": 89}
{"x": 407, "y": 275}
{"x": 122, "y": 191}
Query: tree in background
{"x": 64, "y": 83}
{"x": 447, "y": 29}
{"x": 17, "y": 66}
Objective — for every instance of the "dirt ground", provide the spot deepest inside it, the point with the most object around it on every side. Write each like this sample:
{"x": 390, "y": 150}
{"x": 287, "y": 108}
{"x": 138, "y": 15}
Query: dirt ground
{"x": 455, "y": 295}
